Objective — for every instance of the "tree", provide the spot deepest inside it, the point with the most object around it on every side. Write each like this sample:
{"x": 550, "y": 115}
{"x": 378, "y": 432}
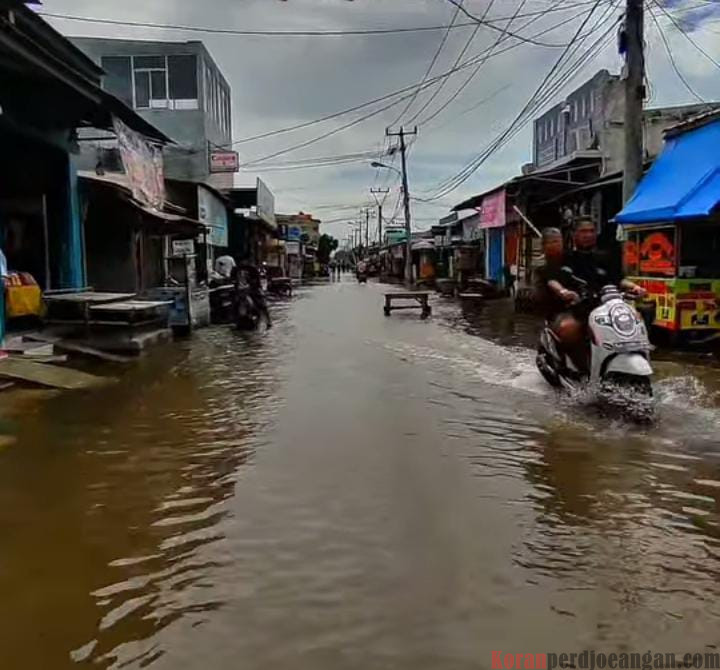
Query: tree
{"x": 326, "y": 245}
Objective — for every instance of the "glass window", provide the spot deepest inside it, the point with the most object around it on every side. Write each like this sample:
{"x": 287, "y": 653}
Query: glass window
{"x": 149, "y": 62}
{"x": 584, "y": 108}
{"x": 158, "y": 87}
{"x": 575, "y": 111}
{"x": 552, "y": 127}
{"x": 182, "y": 73}
{"x": 592, "y": 102}
{"x": 142, "y": 90}
{"x": 700, "y": 255}
{"x": 118, "y": 77}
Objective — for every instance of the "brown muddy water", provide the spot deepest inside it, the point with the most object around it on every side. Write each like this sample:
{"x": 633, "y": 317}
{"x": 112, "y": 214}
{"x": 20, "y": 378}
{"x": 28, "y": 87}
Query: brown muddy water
{"x": 349, "y": 491}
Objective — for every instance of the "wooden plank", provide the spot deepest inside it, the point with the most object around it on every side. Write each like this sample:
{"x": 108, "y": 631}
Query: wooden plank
{"x": 408, "y": 294}
{"x": 76, "y": 348}
{"x": 48, "y": 375}
{"x": 131, "y": 306}
{"x": 91, "y": 297}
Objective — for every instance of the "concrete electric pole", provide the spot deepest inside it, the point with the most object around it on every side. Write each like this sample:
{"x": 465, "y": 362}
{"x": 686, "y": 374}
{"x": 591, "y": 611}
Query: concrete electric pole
{"x": 634, "y": 96}
{"x": 375, "y": 192}
{"x": 406, "y": 197}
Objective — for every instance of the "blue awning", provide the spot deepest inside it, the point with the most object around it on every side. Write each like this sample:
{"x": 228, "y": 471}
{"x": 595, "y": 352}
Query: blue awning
{"x": 683, "y": 183}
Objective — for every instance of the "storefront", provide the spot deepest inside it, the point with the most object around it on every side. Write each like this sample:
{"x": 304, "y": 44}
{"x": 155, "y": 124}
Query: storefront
{"x": 670, "y": 231}
{"x": 49, "y": 91}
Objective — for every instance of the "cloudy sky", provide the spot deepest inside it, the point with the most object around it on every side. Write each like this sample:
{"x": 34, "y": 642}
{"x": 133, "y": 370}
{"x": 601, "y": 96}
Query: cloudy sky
{"x": 279, "y": 82}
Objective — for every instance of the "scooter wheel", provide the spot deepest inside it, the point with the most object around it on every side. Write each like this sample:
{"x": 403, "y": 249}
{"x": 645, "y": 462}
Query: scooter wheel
{"x": 546, "y": 370}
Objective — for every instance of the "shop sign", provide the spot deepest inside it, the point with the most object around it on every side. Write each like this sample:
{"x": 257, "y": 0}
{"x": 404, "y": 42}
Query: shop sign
{"x": 224, "y": 161}
{"x": 183, "y": 247}
{"x": 492, "y": 211}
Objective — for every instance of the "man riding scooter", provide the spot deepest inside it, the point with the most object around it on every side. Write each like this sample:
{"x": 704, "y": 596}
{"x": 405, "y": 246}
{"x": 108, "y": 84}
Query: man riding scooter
{"x": 595, "y": 269}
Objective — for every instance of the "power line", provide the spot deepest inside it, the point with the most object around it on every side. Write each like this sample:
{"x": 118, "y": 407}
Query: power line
{"x": 534, "y": 103}
{"x": 274, "y": 33}
{"x": 473, "y": 74}
{"x": 492, "y": 26}
{"x": 538, "y": 98}
{"x": 687, "y": 36}
{"x": 459, "y": 58}
{"x": 469, "y": 63}
{"x": 671, "y": 57}
{"x": 435, "y": 57}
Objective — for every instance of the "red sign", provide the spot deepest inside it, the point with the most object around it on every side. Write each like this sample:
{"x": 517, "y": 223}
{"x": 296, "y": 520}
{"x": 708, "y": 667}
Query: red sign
{"x": 224, "y": 161}
{"x": 492, "y": 211}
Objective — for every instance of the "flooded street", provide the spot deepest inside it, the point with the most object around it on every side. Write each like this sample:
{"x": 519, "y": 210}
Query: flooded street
{"x": 349, "y": 491}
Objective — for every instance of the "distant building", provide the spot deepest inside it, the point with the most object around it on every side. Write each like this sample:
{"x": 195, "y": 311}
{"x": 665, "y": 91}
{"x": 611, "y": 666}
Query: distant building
{"x": 588, "y": 126}
{"x": 301, "y": 227}
{"x": 178, "y": 88}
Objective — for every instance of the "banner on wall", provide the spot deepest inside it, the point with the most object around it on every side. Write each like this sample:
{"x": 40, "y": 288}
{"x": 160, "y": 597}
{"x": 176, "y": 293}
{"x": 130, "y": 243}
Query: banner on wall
{"x": 492, "y": 211}
{"x": 143, "y": 165}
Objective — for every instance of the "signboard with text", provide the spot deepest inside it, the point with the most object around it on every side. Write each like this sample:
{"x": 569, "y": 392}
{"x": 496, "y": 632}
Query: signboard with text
{"x": 224, "y": 161}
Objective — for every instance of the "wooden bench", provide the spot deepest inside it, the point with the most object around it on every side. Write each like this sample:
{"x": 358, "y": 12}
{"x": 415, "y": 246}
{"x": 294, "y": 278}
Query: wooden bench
{"x": 419, "y": 300}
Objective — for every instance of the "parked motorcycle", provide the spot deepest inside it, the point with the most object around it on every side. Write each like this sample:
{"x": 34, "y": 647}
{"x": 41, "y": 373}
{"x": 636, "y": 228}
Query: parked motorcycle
{"x": 619, "y": 353}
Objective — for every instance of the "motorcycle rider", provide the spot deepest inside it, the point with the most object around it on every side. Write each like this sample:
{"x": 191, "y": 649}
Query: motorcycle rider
{"x": 253, "y": 277}
{"x": 596, "y": 269}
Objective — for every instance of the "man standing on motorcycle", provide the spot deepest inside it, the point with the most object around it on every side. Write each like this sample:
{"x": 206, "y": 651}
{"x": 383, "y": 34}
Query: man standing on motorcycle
{"x": 596, "y": 269}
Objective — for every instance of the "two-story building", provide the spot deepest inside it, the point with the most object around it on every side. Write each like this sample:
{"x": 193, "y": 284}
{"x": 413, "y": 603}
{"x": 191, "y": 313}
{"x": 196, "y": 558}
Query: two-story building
{"x": 587, "y": 127}
{"x": 178, "y": 87}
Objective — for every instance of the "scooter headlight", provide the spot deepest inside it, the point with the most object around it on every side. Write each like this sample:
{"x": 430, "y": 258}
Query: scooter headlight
{"x": 623, "y": 320}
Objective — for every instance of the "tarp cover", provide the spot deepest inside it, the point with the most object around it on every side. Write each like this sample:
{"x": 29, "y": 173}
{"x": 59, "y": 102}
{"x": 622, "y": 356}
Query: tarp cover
{"x": 683, "y": 183}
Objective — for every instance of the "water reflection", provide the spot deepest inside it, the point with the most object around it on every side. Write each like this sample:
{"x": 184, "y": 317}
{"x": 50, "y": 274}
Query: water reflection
{"x": 348, "y": 490}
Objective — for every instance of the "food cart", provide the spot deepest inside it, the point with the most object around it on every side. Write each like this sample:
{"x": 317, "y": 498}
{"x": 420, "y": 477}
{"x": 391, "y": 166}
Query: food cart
{"x": 670, "y": 231}
{"x": 679, "y": 266}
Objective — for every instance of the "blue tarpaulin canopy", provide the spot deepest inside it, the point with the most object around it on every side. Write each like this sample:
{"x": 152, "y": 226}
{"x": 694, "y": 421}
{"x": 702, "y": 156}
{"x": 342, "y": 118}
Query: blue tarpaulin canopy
{"x": 683, "y": 183}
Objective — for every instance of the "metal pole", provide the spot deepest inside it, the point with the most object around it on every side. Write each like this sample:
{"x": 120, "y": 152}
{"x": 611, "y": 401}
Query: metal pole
{"x": 634, "y": 95}
{"x": 375, "y": 192}
{"x": 406, "y": 198}
{"x": 367, "y": 230}
{"x": 380, "y": 225}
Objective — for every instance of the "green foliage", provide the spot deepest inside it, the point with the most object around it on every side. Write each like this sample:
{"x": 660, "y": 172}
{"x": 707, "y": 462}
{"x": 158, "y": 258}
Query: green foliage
{"x": 326, "y": 245}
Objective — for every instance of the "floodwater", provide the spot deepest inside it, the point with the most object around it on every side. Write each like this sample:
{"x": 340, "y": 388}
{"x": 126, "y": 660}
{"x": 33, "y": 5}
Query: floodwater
{"x": 349, "y": 491}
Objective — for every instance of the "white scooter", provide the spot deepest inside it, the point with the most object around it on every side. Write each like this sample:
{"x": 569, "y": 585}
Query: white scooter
{"x": 619, "y": 363}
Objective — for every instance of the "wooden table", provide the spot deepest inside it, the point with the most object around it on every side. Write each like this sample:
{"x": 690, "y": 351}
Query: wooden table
{"x": 75, "y": 307}
{"x": 418, "y": 300}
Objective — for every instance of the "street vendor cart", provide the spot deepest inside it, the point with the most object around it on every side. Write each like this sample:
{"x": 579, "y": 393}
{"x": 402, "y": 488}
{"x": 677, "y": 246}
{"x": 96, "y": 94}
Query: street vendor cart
{"x": 670, "y": 231}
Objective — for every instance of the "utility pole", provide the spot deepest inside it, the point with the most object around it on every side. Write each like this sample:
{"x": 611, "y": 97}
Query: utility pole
{"x": 375, "y": 192}
{"x": 367, "y": 231}
{"x": 634, "y": 96}
{"x": 406, "y": 197}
